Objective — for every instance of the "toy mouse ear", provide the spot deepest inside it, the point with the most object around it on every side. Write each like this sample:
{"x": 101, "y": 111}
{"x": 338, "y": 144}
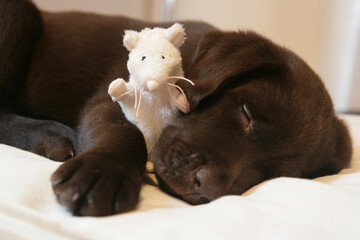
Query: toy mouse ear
{"x": 176, "y": 34}
{"x": 130, "y": 39}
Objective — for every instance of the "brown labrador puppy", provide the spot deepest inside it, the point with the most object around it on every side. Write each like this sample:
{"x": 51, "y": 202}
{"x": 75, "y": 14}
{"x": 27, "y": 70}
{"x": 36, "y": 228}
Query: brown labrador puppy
{"x": 258, "y": 111}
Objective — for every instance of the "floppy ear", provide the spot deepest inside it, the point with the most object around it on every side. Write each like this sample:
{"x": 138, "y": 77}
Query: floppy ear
{"x": 131, "y": 38}
{"x": 342, "y": 147}
{"x": 176, "y": 34}
{"x": 221, "y": 56}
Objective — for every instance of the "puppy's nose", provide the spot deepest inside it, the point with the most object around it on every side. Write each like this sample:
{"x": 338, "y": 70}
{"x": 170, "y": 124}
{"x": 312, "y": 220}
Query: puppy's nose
{"x": 205, "y": 184}
{"x": 201, "y": 179}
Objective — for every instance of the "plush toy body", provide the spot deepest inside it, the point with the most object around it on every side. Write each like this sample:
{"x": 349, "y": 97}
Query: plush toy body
{"x": 150, "y": 99}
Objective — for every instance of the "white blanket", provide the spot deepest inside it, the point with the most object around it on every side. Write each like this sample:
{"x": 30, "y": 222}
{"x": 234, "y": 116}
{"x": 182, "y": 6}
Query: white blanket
{"x": 282, "y": 208}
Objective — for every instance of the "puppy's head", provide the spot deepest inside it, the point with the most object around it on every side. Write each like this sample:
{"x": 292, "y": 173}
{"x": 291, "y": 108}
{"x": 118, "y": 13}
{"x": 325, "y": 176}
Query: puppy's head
{"x": 258, "y": 112}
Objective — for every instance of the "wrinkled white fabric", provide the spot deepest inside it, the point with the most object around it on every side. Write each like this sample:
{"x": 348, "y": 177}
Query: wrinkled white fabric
{"x": 282, "y": 208}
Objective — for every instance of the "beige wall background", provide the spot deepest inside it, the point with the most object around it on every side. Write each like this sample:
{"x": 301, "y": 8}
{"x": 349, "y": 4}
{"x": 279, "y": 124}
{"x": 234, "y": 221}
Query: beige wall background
{"x": 326, "y": 33}
{"x": 142, "y": 9}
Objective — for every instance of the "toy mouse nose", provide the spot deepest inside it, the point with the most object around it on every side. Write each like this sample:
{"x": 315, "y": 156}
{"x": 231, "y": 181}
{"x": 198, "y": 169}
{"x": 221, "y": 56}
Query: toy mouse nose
{"x": 152, "y": 85}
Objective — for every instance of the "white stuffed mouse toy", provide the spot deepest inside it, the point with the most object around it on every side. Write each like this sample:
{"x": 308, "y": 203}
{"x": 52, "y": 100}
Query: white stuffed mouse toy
{"x": 150, "y": 99}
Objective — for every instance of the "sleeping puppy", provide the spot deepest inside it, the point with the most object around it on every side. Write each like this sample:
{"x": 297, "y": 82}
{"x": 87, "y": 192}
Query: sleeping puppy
{"x": 259, "y": 112}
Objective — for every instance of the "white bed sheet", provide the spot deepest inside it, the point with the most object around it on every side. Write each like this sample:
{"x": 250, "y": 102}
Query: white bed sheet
{"x": 282, "y": 208}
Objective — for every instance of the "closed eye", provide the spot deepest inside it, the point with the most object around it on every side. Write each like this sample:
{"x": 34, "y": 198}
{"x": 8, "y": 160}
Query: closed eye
{"x": 254, "y": 127}
{"x": 245, "y": 117}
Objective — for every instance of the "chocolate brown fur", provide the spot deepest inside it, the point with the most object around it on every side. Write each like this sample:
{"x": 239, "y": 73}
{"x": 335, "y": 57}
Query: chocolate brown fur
{"x": 54, "y": 72}
{"x": 259, "y": 112}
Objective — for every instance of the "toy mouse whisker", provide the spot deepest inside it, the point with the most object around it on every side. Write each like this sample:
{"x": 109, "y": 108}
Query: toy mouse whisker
{"x": 180, "y": 89}
{"x": 126, "y": 93}
{"x": 136, "y": 86}
{"x": 183, "y": 78}
{"x": 138, "y": 107}
{"x": 182, "y": 92}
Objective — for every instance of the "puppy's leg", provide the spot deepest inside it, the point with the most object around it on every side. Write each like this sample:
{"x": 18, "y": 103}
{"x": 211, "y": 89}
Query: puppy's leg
{"x": 47, "y": 138}
{"x": 20, "y": 28}
{"x": 105, "y": 178}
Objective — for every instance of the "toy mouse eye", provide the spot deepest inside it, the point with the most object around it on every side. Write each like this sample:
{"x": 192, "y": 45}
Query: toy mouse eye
{"x": 143, "y": 58}
{"x": 162, "y": 57}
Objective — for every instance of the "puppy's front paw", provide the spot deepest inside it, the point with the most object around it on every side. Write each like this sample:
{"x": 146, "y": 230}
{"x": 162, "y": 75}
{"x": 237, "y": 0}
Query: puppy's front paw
{"x": 92, "y": 184}
{"x": 117, "y": 88}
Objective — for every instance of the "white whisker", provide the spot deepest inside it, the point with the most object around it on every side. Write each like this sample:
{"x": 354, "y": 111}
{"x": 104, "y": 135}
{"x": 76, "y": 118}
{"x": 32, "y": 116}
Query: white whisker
{"x": 182, "y": 92}
{"x": 136, "y": 87}
{"x": 138, "y": 107}
{"x": 182, "y": 78}
{"x": 180, "y": 89}
{"x": 118, "y": 97}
